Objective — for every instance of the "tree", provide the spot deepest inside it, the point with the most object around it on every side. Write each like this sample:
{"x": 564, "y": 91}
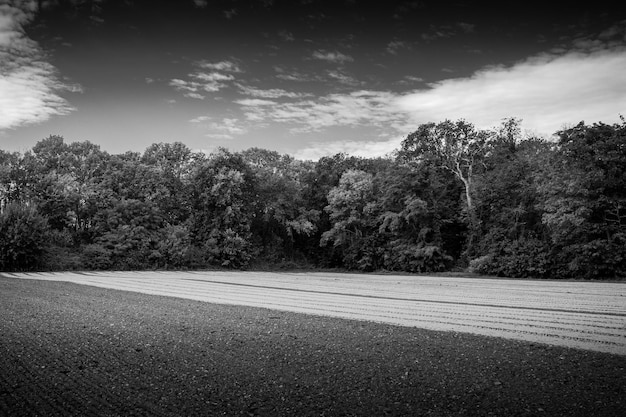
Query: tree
{"x": 23, "y": 238}
{"x": 8, "y": 185}
{"x": 513, "y": 240}
{"x": 281, "y": 215}
{"x": 418, "y": 212}
{"x": 222, "y": 199}
{"x": 172, "y": 164}
{"x": 353, "y": 212}
{"x": 454, "y": 146}
{"x": 583, "y": 191}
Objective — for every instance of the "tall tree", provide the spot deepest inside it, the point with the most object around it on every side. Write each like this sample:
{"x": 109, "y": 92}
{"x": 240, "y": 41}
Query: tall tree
{"x": 583, "y": 191}
{"x": 353, "y": 214}
{"x": 454, "y": 146}
{"x": 223, "y": 190}
{"x": 282, "y": 216}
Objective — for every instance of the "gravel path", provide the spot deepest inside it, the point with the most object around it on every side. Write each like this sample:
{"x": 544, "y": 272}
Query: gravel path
{"x": 77, "y": 350}
{"x": 585, "y": 315}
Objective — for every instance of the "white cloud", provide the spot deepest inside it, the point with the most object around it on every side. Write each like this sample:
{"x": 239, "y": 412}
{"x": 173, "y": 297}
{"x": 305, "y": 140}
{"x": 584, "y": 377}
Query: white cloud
{"x": 336, "y": 57}
{"x": 255, "y": 102}
{"x": 227, "y": 66}
{"x": 268, "y": 93}
{"x": 546, "y": 91}
{"x": 394, "y": 46}
{"x": 292, "y": 75}
{"x": 29, "y": 86}
{"x": 375, "y": 109}
{"x": 188, "y": 88}
{"x": 343, "y": 78}
{"x": 200, "y": 119}
{"x": 200, "y": 81}
{"x": 227, "y": 128}
{"x": 364, "y": 149}
{"x": 201, "y": 3}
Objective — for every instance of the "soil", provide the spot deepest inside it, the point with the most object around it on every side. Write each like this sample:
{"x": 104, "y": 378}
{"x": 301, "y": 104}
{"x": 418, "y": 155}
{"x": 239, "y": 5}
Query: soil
{"x": 67, "y": 349}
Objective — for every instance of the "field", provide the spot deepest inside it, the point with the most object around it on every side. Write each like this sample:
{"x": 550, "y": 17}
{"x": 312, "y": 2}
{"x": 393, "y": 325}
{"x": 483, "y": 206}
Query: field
{"x": 587, "y": 315}
{"x": 197, "y": 343}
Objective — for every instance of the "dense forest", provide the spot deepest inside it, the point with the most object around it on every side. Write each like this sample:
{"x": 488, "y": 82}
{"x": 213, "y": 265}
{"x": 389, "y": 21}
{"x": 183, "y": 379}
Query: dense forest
{"x": 452, "y": 197}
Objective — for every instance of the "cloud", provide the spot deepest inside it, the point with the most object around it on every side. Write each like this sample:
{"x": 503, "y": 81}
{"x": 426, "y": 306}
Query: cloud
{"x": 343, "y": 78}
{"x": 227, "y": 128}
{"x": 227, "y": 66}
{"x": 410, "y": 79}
{"x": 213, "y": 80}
{"x": 364, "y": 149}
{"x": 292, "y": 75}
{"x": 255, "y": 102}
{"x": 286, "y": 36}
{"x": 201, "y": 81}
{"x": 335, "y": 57}
{"x": 30, "y": 87}
{"x": 546, "y": 91}
{"x": 268, "y": 93}
{"x": 448, "y": 31}
{"x": 201, "y": 3}
{"x": 375, "y": 109}
{"x": 394, "y": 46}
{"x": 200, "y": 119}
{"x": 466, "y": 27}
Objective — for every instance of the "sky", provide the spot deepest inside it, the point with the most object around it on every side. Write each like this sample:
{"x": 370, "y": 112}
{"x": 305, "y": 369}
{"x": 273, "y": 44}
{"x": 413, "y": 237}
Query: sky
{"x": 309, "y": 78}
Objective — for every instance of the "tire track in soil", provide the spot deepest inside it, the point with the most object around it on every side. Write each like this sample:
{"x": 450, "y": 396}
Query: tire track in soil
{"x": 421, "y": 373}
{"x": 473, "y": 323}
{"x": 583, "y": 315}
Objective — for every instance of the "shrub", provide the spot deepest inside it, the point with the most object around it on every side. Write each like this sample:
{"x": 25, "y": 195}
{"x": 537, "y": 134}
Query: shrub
{"x": 598, "y": 259}
{"x": 521, "y": 258}
{"x": 409, "y": 257}
{"x": 96, "y": 257}
{"x": 23, "y": 238}
{"x": 228, "y": 249}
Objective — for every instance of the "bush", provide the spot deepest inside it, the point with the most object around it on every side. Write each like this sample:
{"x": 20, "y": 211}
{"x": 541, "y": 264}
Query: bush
{"x": 598, "y": 259}
{"x": 23, "y": 238}
{"x": 521, "y": 258}
{"x": 175, "y": 248}
{"x": 227, "y": 249}
{"x": 96, "y": 257}
{"x": 409, "y": 257}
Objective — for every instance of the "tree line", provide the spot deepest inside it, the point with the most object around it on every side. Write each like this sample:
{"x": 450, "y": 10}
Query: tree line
{"x": 452, "y": 196}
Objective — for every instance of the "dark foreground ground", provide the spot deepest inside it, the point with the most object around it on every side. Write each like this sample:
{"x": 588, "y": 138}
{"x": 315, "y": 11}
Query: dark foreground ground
{"x": 67, "y": 349}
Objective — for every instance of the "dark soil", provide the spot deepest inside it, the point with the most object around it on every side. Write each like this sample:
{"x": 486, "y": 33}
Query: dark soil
{"x": 67, "y": 349}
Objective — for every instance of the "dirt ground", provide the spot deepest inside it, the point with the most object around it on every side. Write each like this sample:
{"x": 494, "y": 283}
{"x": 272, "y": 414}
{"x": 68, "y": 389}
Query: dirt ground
{"x": 579, "y": 314}
{"x": 67, "y": 349}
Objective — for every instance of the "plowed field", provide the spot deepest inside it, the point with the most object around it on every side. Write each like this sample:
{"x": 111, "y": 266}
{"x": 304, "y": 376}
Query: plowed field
{"x": 79, "y": 350}
{"x": 586, "y": 315}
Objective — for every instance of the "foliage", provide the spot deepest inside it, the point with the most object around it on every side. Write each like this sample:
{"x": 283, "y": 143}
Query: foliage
{"x": 453, "y": 146}
{"x": 23, "y": 237}
{"x": 520, "y": 258}
{"x": 504, "y": 203}
{"x": 584, "y": 199}
{"x": 404, "y": 256}
{"x": 222, "y": 204}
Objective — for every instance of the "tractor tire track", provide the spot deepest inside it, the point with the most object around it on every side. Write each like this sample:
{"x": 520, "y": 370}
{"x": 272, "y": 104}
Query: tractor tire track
{"x": 585, "y": 315}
